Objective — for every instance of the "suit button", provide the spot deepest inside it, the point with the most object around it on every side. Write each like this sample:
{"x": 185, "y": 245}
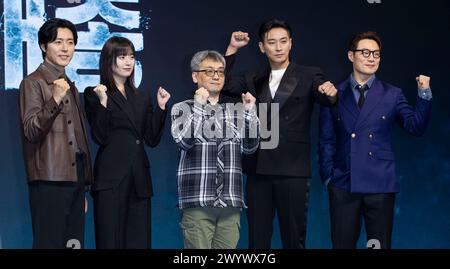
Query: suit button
{"x": 353, "y": 135}
{"x": 70, "y": 143}
{"x": 286, "y": 117}
{"x": 383, "y": 117}
{"x": 370, "y": 136}
{"x": 67, "y": 101}
{"x": 138, "y": 142}
{"x": 51, "y": 111}
{"x": 370, "y": 153}
{"x": 69, "y": 122}
{"x": 73, "y": 164}
{"x": 338, "y": 119}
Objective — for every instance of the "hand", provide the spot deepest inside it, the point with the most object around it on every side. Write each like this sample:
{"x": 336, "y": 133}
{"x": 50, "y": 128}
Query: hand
{"x": 238, "y": 40}
{"x": 201, "y": 96}
{"x": 423, "y": 82}
{"x": 100, "y": 90}
{"x": 248, "y": 100}
{"x": 162, "y": 96}
{"x": 59, "y": 90}
{"x": 329, "y": 90}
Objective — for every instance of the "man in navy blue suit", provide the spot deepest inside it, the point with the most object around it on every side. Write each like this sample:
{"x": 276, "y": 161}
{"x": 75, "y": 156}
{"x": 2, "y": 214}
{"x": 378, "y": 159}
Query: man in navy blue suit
{"x": 355, "y": 146}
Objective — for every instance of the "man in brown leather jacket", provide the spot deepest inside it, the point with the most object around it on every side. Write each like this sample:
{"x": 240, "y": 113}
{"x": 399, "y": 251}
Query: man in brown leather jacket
{"x": 55, "y": 144}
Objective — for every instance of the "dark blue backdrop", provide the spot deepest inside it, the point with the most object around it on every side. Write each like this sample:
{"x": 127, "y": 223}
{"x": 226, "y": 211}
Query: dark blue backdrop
{"x": 416, "y": 40}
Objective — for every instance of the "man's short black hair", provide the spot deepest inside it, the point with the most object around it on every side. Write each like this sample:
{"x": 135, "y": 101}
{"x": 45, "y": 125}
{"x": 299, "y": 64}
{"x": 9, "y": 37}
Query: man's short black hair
{"x": 354, "y": 41}
{"x": 49, "y": 31}
{"x": 269, "y": 25}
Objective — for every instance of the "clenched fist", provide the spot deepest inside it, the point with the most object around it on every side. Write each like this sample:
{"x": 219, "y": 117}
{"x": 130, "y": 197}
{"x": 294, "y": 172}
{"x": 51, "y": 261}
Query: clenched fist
{"x": 329, "y": 90}
{"x": 201, "y": 95}
{"x": 248, "y": 100}
{"x": 238, "y": 40}
{"x": 423, "y": 82}
{"x": 59, "y": 90}
{"x": 162, "y": 96}
{"x": 100, "y": 90}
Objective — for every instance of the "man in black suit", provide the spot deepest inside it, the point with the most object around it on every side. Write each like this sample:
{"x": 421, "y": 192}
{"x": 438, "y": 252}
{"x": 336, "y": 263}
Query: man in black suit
{"x": 278, "y": 175}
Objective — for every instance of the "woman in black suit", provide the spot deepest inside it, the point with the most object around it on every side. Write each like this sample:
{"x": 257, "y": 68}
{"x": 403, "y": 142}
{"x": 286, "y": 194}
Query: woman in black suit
{"x": 122, "y": 120}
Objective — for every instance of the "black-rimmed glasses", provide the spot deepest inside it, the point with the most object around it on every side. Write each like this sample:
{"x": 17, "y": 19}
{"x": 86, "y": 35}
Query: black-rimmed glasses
{"x": 212, "y": 72}
{"x": 366, "y": 53}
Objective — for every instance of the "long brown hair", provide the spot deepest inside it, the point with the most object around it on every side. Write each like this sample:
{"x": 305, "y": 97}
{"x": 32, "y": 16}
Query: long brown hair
{"x": 114, "y": 47}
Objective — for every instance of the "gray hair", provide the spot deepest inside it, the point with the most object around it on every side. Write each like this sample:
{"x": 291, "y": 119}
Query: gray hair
{"x": 200, "y": 56}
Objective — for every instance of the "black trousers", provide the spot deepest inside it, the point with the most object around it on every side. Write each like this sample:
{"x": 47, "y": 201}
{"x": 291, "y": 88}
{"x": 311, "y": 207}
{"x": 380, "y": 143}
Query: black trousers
{"x": 122, "y": 219}
{"x": 57, "y": 212}
{"x": 288, "y": 196}
{"x": 347, "y": 210}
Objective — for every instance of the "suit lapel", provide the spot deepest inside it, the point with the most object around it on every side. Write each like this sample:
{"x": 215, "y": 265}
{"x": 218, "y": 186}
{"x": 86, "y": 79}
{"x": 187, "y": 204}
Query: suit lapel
{"x": 120, "y": 101}
{"x": 262, "y": 87}
{"x": 287, "y": 85}
{"x": 265, "y": 96}
{"x": 374, "y": 96}
{"x": 348, "y": 99}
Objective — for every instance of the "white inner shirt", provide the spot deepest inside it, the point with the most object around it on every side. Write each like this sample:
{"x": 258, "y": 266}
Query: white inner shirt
{"x": 275, "y": 79}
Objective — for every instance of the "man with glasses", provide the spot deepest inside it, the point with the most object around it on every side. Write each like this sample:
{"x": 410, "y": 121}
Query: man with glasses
{"x": 355, "y": 146}
{"x": 211, "y": 136}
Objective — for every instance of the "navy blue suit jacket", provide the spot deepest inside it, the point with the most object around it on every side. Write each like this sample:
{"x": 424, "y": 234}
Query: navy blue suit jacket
{"x": 355, "y": 146}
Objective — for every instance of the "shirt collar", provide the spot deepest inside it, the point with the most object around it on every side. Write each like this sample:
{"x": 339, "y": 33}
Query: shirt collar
{"x": 51, "y": 73}
{"x": 55, "y": 70}
{"x": 353, "y": 82}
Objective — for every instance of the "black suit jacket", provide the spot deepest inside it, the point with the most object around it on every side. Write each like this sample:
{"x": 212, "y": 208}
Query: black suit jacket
{"x": 121, "y": 130}
{"x": 296, "y": 96}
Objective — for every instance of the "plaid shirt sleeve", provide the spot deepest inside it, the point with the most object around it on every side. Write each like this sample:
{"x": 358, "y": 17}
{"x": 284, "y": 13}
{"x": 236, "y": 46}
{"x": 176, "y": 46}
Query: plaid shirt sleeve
{"x": 187, "y": 118}
{"x": 250, "y": 132}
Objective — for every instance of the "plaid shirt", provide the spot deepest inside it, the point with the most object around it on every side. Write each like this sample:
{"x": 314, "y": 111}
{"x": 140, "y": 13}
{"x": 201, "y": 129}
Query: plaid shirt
{"x": 212, "y": 140}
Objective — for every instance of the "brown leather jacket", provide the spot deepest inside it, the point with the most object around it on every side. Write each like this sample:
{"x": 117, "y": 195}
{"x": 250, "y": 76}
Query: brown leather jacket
{"x": 51, "y": 133}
